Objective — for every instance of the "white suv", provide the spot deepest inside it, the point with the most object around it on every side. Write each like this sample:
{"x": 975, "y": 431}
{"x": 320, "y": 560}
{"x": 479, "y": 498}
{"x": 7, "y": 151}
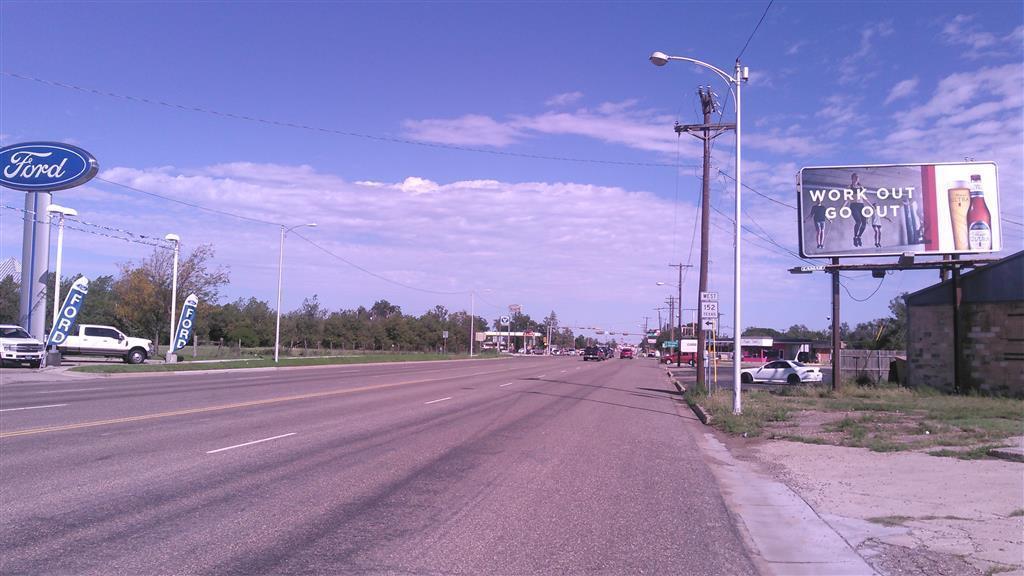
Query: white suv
{"x": 18, "y": 347}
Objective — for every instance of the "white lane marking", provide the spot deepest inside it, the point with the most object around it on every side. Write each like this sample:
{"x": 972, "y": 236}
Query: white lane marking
{"x": 251, "y": 443}
{"x": 503, "y": 385}
{"x": 439, "y": 400}
{"x": 71, "y": 390}
{"x": 564, "y": 371}
{"x": 33, "y": 407}
{"x": 542, "y": 375}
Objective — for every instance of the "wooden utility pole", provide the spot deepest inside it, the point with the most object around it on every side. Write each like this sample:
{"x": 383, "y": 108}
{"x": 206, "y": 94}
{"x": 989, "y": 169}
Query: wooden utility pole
{"x": 706, "y": 132}
{"x": 679, "y": 286}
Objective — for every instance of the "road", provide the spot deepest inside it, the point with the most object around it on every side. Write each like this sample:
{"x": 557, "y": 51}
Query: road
{"x": 515, "y": 466}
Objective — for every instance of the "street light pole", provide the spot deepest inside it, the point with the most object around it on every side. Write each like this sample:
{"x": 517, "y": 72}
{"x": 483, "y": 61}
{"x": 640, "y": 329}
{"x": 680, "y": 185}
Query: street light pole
{"x": 280, "y": 276}
{"x": 740, "y": 75}
{"x": 176, "y": 240}
{"x": 62, "y": 212}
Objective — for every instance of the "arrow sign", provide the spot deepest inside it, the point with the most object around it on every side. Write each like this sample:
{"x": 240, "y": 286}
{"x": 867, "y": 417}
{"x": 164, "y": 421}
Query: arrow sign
{"x": 186, "y": 323}
{"x": 68, "y": 312}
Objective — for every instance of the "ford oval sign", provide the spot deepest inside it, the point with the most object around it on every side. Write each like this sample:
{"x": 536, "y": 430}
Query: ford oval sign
{"x": 45, "y": 166}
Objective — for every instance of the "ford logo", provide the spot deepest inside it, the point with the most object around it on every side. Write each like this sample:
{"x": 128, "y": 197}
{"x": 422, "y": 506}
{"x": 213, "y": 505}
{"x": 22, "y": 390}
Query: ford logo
{"x": 45, "y": 166}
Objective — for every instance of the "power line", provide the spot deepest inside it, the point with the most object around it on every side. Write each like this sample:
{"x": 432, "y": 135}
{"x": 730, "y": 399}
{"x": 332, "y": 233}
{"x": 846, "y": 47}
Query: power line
{"x": 374, "y": 274}
{"x": 190, "y": 204}
{"x": 307, "y": 127}
{"x": 755, "y": 29}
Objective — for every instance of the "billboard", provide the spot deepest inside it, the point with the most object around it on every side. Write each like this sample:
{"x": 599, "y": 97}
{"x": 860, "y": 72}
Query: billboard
{"x": 889, "y": 210}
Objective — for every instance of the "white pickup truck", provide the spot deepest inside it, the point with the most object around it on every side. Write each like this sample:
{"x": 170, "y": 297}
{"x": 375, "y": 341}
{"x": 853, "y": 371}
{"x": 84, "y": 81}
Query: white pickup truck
{"x": 18, "y": 347}
{"x": 93, "y": 340}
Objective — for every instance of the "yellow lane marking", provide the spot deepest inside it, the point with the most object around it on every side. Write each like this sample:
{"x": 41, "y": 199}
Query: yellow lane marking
{"x": 187, "y": 411}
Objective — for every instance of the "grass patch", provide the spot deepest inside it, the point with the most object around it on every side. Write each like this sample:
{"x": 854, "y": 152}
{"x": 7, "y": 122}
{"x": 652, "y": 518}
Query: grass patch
{"x": 880, "y": 418}
{"x": 260, "y": 363}
{"x": 976, "y": 453}
{"x": 890, "y": 520}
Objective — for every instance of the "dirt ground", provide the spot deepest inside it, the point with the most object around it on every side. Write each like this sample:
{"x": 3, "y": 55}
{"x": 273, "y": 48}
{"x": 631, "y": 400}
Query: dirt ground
{"x": 906, "y": 513}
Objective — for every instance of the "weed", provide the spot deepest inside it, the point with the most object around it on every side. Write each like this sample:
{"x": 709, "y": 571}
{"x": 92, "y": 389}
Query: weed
{"x": 890, "y": 520}
{"x": 1017, "y": 512}
{"x": 977, "y": 453}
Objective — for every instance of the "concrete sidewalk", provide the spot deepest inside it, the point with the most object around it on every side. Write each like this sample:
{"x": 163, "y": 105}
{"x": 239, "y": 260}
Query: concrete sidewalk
{"x": 787, "y": 537}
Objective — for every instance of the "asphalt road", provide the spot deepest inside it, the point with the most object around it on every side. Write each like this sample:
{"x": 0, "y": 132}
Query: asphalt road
{"x": 518, "y": 466}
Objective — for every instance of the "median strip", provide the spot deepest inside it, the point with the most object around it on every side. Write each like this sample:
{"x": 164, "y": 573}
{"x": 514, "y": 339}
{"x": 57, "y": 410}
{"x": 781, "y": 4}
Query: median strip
{"x": 251, "y": 443}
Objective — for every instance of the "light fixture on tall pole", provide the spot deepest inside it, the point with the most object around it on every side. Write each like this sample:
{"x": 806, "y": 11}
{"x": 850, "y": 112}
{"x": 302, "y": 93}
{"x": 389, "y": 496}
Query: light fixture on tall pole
{"x": 741, "y": 74}
{"x": 280, "y": 274}
{"x": 62, "y": 212}
{"x": 176, "y": 240}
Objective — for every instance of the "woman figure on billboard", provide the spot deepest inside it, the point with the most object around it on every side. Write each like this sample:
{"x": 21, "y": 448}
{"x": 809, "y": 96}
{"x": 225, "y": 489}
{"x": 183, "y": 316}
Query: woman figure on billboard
{"x": 860, "y": 221}
{"x": 876, "y": 224}
{"x": 818, "y": 213}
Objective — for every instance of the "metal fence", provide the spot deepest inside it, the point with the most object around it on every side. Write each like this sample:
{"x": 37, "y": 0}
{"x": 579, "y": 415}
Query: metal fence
{"x": 869, "y": 365}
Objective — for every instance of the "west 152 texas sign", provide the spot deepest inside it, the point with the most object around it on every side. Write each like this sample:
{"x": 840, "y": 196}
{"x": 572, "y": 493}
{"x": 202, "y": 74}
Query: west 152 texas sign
{"x": 45, "y": 166}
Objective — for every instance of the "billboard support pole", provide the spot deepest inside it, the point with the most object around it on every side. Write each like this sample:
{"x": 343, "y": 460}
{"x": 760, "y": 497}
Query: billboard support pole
{"x": 837, "y": 343}
{"x": 957, "y": 329}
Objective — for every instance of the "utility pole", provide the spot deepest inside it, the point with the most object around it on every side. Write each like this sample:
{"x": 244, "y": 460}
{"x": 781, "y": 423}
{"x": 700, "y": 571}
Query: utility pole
{"x": 645, "y": 346}
{"x": 706, "y": 132}
{"x": 671, "y": 316}
{"x": 679, "y": 356}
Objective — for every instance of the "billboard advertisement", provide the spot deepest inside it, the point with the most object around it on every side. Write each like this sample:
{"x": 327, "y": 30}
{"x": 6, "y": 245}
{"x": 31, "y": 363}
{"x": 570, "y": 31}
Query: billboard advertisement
{"x": 889, "y": 210}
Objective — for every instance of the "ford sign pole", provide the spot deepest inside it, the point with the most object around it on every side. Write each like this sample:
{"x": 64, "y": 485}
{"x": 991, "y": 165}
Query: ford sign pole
{"x": 40, "y": 168}
{"x": 62, "y": 212}
{"x": 186, "y": 323}
{"x": 68, "y": 312}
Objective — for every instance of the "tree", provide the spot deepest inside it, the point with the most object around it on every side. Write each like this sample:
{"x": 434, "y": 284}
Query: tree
{"x": 144, "y": 290}
{"x": 9, "y": 295}
{"x": 755, "y": 331}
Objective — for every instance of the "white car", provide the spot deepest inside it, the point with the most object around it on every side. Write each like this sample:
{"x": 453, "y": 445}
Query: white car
{"x": 18, "y": 347}
{"x": 788, "y": 371}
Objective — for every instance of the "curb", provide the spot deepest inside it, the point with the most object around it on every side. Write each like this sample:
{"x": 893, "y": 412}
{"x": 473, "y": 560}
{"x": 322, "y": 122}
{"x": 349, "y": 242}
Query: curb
{"x": 701, "y": 413}
{"x": 1011, "y": 454}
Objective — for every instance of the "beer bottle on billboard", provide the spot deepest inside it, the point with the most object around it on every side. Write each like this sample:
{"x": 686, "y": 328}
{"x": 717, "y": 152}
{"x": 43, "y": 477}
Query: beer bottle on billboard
{"x": 979, "y": 220}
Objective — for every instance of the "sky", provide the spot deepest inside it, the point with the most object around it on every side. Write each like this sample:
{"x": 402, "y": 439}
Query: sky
{"x": 524, "y": 152}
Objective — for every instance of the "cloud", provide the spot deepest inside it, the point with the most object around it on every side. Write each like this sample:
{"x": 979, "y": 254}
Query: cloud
{"x": 902, "y": 89}
{"x": 963, "y": 31}
{"x": 850, "y": 68}
{"x": 563, "y": 99}
{"x": 795, "y": 47}
{"x": 620, "y": 123}
{"x": 468, "y": 130}
{"x": 841, "y": 113}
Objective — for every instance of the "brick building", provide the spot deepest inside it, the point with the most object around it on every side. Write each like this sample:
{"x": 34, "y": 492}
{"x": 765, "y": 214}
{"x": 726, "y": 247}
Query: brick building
{"x": 992, "y": 331}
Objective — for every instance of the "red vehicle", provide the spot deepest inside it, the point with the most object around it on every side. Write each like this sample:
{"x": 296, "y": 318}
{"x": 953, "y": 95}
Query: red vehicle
{"x": 688, "y": 358}
{"x": 626, "y": 353}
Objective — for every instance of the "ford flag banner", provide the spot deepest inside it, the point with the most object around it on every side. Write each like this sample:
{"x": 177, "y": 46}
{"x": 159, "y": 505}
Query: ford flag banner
{"x": 68, "y": 312}
{"x": 186, "y": 323}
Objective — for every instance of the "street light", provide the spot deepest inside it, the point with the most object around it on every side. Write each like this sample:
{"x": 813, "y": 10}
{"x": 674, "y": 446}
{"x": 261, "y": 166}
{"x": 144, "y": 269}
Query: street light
{"x": 472, "y": 318}
{"x": 741, "y": 74}
{"x": 169, "y": 358}
{"x": 62, "y": 212}
{"x": 280, "y": 273}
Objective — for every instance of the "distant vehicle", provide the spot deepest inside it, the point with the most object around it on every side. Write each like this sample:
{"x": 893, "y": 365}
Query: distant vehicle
{"x": 18, "y": 347}
{"x": 688, "y": 358}
{"x": 593, "y": 353}
{"x": 626, "y": 353}
{"x": 788, "y": 371}
{"x": 537, "y": 352}
{"x": 93, "y": 340}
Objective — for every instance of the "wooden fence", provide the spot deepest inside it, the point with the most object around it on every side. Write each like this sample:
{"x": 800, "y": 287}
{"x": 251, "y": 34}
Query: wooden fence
{"x": 869, "y": 365}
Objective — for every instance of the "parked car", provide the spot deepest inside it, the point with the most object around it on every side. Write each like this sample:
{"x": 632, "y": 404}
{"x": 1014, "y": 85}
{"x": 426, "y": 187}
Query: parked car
{"x": 93, "y": 340}
{"x": 788, "y": 371}
{"x": 626, "y": 353}
{"x": 19, "y": 348}
{"x": 593, "y": 353}
{"x": 688, "y": 358}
